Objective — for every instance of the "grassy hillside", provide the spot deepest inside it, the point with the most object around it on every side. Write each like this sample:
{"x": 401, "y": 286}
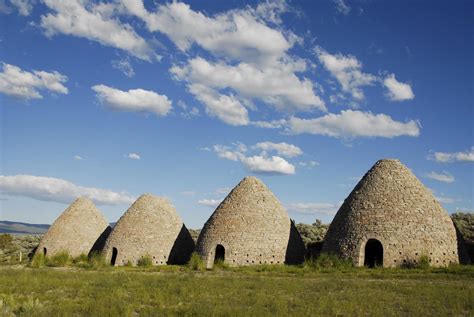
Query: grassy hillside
{"x": 22, "y": 228}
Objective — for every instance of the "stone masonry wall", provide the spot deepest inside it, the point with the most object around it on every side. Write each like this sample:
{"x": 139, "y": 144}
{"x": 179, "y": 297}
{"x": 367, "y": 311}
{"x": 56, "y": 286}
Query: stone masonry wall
{"x": 150, "y": 227}
{"x": 391, "y": 205}
{"x": 253, "y": 228}
{"x": 75, "y": 231}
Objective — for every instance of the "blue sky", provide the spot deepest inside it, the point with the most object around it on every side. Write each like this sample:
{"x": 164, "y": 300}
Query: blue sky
{"x": 183, "y": 99}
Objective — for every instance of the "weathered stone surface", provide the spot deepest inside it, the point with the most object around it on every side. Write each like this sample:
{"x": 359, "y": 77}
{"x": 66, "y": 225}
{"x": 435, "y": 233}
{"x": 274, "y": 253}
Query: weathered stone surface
{"x": 150, "y": 227}
{"x": 253, "y": 227}
{"x": 75, "y": 231}
{"x": 392, "y": 206}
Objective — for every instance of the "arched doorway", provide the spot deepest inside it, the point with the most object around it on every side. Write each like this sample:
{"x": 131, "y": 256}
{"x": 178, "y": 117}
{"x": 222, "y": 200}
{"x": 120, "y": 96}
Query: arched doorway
{"x": 373, "y": 253}
{"x": 220, "y": 254}
{"x": 114, "y": 256}
{"x": 45, "y": 251}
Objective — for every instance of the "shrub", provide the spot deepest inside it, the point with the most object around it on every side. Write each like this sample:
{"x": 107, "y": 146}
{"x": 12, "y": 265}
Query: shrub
{"x": 59, "y": 260}
{"x": 326, "y": 260}
{"x": 29, "y": 307}
{"x": 97, "y": 260}
{"x": 145, "y": 261}
{"x": 80, "y": 259}
{"x": 423, "y": 262}
{"x": 313, "y": 233}
{"x": 196, "y": 263}
{"x": 220, "y": 264}
{"x": 6, "y": 241}
{"x": 39, "y": 260}
{"x": 129, "y": 263}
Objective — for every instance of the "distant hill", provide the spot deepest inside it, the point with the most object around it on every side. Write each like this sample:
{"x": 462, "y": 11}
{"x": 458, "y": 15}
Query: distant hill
{"x": 13, "y": 227}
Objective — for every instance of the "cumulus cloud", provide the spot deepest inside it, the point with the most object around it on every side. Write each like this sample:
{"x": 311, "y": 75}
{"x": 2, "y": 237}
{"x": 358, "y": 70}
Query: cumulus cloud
{"x": 444, "y": 177}
{"x": 78, "y": 158}
{"x": 257, "y": 163}
{"x": 133, "y": 156}
{"x": 225, "y": 107}
{"x": 252, "y": 63}
{"x": 94, "y": 22}
{"x": 59, "y": 190}
{"x": 124, "y": 66}
{"x": 274, "y": 124}
{"x": 397, "y": 91}
{"x": 210, "y": 202}
{"x": 22, "y": 84}
{"x": 237, "y": 34}
{"x": 24, "y": 6}
{"x": 321, "y": 209}
{"x": 351, "y": 124}
{"x": 268, "y": 165}
{"x": 347, "y": 70}
{"x": 271, "y": 10}
{"x": 444, "y": 157}
{"x": 138, "y": 100}
{"x": 283, "y": 149}
{"x": 276, "y": 85}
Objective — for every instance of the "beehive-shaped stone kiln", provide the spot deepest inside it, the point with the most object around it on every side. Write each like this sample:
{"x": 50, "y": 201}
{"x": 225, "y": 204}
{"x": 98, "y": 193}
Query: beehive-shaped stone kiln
{"x": 250, "y": 226}
{"x": 150, "y": 228}
{"x": 78, "y": 230}
{"x": 391, "y": 219}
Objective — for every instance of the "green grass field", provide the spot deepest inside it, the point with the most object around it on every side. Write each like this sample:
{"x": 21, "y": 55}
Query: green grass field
{"x": 253, "y": 291}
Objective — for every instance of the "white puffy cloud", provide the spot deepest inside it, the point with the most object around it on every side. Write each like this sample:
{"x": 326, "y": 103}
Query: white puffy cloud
{"x": 322, "y": 209}
{"x": 268, "y": 165}
{"x": 133, "y": 156}
{"x": 444, "y": 157}
{"x": 138, "y": 100}
{"x": 261, "y": 163}
{"x": 271, "y": 10}
{"x": 59, "y": 190}
{"x": 210, "y": 202}
{"x": 274, "y": 124}
{"x": 24, "y": 6}
{"x": 226, "y": 152}
{"x": 283, "y": 149}
{"x": 225, "y": 107}
{"x": 347, "y": 70}
{"x": 264, "y": 71}
{"x": 444, "y": 177}
{"x": 78, "y": 158}
{"x": 22, "y": 84}
{"x": 96, "y": 23}
{"x": 397, "y": 91}
{"x": 276, "y": 84}
{"x": 351, "y": 124}
{"x": 237, "y": 34}
{"x": 124, "y": 66}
